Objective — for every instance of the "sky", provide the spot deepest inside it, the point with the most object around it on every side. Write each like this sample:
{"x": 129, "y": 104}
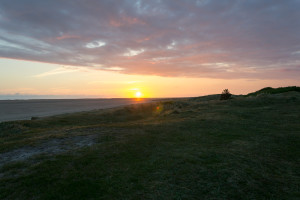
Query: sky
{"x": 160, "y": 48}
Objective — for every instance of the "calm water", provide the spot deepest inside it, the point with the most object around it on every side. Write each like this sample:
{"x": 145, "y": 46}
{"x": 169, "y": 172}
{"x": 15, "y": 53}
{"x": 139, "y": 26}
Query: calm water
{"x": 25, "y": 109}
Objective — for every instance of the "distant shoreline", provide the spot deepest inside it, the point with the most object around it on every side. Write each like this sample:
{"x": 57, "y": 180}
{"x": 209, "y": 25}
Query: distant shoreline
{"x": 11, "y": 110}
{"x": 42, "y": 99}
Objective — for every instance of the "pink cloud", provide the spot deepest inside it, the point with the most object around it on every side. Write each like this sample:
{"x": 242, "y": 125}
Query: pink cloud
{"x": 124, "y": 20}
{"x": 66, "y": 36}
{"x": 223, "y": 39}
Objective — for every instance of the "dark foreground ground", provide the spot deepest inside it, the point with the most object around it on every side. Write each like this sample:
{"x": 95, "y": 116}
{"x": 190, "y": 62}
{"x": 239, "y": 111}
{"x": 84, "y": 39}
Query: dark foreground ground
{"x": 197, "y": 148}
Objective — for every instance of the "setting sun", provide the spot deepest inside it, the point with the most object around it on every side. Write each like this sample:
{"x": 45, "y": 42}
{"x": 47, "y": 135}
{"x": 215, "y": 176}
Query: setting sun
{"x": 138, "y": 94}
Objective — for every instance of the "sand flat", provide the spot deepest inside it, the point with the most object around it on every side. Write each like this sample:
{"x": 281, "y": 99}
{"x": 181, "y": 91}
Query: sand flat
{"x": 25, "y": 109}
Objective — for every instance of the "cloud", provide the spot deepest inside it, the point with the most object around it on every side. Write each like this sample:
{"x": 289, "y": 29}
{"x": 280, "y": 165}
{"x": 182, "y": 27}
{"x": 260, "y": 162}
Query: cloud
{"x": 131, "y": 52}
{"x": 296, "y": 52}
{"x": 66, "y": 36}
{"x": 113, "y": 68}
{"x": 195, "y": 38}
{"x": 115, "y": 82}
{"x": 61, "y": 70}
{"x": 95, "y": 44}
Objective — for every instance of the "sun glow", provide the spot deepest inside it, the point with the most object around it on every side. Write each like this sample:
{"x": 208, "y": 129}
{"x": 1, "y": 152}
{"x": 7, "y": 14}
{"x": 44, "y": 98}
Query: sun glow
{"x": 138, "y": 94}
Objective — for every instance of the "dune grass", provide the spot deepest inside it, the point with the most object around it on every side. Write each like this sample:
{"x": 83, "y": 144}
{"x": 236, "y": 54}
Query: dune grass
{"x": 270, "y": 90}
{"x": 197, "y": 148}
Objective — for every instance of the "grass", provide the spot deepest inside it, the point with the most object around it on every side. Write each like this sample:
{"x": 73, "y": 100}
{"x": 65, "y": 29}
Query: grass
{"x": 269, "y": 90}
{"x": 197, "y": 148}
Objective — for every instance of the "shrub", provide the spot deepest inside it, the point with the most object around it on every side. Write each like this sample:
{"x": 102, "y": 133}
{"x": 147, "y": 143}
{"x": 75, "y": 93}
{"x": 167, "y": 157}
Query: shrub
{"x": 225, "y": 95}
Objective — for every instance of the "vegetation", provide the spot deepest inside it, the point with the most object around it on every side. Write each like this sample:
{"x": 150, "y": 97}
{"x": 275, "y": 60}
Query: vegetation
{"x": 197, "y": 148}
{"x": 225, "y": 95}
{"x": 269, "y": 90}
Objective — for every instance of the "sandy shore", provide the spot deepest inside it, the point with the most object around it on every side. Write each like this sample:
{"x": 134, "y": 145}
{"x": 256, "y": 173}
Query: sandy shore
{"x": 25, "y": 109}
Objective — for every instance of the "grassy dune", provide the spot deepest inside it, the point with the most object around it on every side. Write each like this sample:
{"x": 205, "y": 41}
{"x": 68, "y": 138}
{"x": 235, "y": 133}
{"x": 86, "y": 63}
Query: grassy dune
{"x": 196, "y": 148}
{"x": 270, "y": 90}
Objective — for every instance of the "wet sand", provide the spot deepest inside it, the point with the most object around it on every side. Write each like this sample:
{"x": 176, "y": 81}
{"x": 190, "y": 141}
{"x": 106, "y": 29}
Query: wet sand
{"x": 25, "y": 109}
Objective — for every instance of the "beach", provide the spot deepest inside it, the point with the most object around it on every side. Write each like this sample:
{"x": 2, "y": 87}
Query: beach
{"x": 25, "y": 109}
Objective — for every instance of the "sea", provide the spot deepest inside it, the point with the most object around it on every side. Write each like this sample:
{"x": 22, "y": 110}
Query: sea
{"x": 11, "y": 110}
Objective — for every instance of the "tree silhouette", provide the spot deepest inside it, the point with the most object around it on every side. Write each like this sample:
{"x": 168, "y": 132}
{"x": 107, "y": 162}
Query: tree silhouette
{"x": 225, "y": 95}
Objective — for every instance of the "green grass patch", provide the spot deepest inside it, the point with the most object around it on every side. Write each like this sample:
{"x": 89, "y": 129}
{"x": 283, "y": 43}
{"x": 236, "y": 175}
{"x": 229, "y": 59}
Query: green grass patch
{"x": 270, "y": 90}
{"x": 200, "y": 148}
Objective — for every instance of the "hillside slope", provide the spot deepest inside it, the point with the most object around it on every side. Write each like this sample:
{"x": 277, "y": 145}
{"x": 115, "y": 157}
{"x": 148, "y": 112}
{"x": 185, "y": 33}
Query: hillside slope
{"x": 270, "y": 90}
{"x": 198, "y": 148}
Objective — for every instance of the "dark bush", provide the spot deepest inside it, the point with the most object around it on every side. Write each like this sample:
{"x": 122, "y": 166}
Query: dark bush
{"x": 225, "y": 95}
